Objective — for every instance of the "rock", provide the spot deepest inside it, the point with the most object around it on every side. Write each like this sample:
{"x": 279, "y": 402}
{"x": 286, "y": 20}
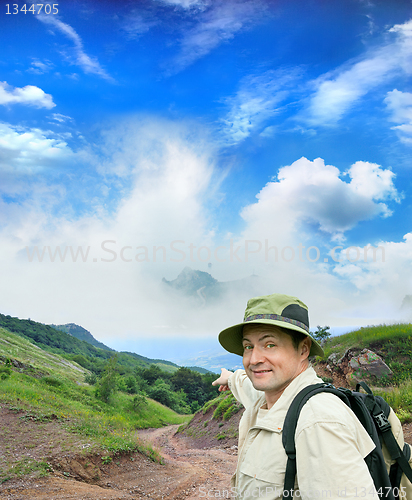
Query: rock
{"x": 364, "y": 365}
{"x": 355, "y": 366}
{"x": 369, "y": 363}
{"x": 332, "y": 358}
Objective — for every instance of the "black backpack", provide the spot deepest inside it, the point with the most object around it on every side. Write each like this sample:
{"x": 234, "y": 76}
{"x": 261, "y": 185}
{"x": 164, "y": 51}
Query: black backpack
{"x": 372, "y": 411}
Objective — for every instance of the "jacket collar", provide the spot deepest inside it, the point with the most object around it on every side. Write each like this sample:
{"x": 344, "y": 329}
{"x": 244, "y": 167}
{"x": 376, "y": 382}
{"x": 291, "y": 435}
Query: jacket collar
{"x": 274, "y": 418}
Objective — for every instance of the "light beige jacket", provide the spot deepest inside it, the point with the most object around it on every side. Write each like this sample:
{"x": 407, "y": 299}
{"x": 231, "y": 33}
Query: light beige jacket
{"x": 330, "y": 445}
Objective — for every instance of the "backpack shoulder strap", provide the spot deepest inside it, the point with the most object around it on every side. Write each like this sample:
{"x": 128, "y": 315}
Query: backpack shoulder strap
{"x": 291, "y": 420}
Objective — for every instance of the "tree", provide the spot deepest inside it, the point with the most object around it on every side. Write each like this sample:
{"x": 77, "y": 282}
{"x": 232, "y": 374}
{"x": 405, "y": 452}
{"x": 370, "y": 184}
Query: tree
{"x": 322, "y": 334}
{"x": 131, "y": 384}
{"x": 190, "y": 382}
{"x": 107, "y": 384}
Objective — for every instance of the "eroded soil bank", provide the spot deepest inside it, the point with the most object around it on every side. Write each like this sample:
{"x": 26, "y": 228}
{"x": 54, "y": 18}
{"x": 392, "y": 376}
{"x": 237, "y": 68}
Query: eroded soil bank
{"x": 187, "y": 472}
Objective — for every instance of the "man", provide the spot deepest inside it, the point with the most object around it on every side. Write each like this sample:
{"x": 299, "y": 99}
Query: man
{"x": 331, "y": 444}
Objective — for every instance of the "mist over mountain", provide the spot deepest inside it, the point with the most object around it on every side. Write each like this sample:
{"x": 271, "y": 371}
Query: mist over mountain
{"x": 204, "y": 290}
{"x": 213, "y": 360}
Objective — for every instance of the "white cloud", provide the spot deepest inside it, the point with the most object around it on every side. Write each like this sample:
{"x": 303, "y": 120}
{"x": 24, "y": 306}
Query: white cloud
{"x": 40, "y": 67}
{"x": 215, "y": 25}
{"x": 58, "y": 117}
{"x": 313, "y": 192}
{"x": 286, "y": 249}
{"x": 167, "y": 178}
{"x": 27, "y": 150}
{"x": 400, "y": 106}
{"x": 138, "y": 23}
{"x": 30, "y": 95}
{"x": 378, "y": 273}
{"x": 89, "y": 64}
{"x": 187, "y": 4}
{"x": 166, "y": 174}
{"x": 255, "y": 103}
{"x": 337, "y": 92}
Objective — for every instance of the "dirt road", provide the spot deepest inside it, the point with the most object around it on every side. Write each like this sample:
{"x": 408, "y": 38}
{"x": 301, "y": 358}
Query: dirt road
{"x": 187, "y": 473}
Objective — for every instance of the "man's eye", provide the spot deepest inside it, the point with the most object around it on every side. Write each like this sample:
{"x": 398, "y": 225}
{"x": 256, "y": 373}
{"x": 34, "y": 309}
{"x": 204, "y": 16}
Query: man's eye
{"x": 270, "y": 345}
{"x": 246, "y": 347}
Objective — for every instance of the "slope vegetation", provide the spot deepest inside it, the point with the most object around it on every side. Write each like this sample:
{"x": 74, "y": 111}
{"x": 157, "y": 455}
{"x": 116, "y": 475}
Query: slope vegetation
{"x": 48, "y": 414}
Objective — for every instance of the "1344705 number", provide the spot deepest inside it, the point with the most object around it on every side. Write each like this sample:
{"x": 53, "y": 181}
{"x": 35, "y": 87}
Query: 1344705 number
{"x": 35, "y": 8}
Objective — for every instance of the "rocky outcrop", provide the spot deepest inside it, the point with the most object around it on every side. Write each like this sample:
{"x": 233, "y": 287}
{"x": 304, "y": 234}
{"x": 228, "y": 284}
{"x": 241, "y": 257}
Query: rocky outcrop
{"x": 357, "y": 366}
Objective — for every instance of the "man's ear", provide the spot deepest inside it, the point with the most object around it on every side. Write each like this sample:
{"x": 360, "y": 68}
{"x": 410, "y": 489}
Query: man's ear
{"x": 305, "y": 346}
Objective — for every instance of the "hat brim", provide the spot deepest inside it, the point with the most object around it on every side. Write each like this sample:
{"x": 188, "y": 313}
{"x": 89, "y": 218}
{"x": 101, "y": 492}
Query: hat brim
{"x": 231, "y": 338}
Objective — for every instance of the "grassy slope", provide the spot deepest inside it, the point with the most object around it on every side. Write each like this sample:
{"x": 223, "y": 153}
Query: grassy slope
{"x": 45, "y": 387}
{"x": 60, "y": 342}
{"x": 393, "y": 343}
{"x": 36, "y": 361}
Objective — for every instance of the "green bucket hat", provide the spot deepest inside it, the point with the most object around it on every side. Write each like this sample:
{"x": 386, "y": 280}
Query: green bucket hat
{"x": 276, "y": 309}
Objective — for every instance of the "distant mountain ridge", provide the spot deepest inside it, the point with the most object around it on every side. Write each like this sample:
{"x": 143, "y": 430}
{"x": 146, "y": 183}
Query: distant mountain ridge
{"x": 213, "y": 360}
{"x": 205, "y": 289}
{"x": 81, "y": 333}
{"x": 59, "y": 342}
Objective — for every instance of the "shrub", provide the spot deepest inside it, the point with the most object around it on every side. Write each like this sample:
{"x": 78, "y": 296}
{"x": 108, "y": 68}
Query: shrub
{"x": 139, "y": 402}
{"x": 5, "y": 372}
{"x": 162, "y": 392}
{"x": 131, "y": 385}
{"x": 90, "y": 378}
{"x": 106, "y": 386}
{"x": 53, "y": 381}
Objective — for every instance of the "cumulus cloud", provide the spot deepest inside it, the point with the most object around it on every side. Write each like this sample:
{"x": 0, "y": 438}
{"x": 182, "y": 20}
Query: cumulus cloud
{"x": 89, "y": 64}
{"x": 27, "y": 150}
{"x": 314, "y": 192}
{"x": 30, "y": 95}
{"x": 255, "y": 103}
{"x": 338, "y": 91}
{"x": 399, "y": 104}
{"x": 167, "y": 181}
{"x": 217, "y": 24}
{"x": 302, "y": 215}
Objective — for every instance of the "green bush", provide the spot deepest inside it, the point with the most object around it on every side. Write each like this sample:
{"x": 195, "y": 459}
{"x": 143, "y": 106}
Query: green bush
{"x": 53, "y": 381}
{"x": 106, "y": 387}
{"x": 90, "y": 378}
{"x": 162, "y": 392}
{"x": 131, "y": 385}
{"x": 5, "y": 372}
{"x": 139, "y": 402}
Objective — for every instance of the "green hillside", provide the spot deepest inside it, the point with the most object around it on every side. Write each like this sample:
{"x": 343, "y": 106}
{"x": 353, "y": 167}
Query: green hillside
{"x": 81, "y": 333}
{"x": 87, "y": 355}
{"x": 393, "y": 343}
{"x": 25, "y": 357}
{"x": 45, "y": 389}
{"x": 181, "y": 389}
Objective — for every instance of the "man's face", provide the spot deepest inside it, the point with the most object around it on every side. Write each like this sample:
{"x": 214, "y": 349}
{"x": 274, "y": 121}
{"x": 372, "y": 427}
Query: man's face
{"x": 271, "y": 360}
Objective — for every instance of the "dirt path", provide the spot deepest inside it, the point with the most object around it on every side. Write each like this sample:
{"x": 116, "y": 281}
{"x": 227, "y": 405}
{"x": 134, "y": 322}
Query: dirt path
{"x": 187, "y": 473}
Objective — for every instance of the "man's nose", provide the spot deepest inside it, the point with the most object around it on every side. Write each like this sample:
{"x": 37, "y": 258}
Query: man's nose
{"x": 256, "y": 356}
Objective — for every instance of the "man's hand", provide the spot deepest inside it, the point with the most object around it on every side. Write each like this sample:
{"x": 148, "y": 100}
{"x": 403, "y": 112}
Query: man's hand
{"x": 223, "y": 380}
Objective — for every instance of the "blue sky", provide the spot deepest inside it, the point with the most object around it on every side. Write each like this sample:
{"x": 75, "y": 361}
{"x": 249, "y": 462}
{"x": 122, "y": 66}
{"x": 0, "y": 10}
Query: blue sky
{"x": 200, "y": 127}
